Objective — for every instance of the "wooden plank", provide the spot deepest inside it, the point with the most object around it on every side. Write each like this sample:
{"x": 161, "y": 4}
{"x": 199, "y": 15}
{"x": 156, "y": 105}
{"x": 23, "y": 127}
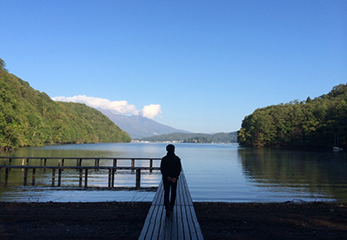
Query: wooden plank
{"x": 191, "y": 225}
{"x": 159, "y": 195}
{"x": 185, "y": 224}
{"x": 174, "y": 233}
{"x": 158, "y": 222}
{"x": 153, "y": 227}
{"x": 163, "y": 220}
{"x": 146, "y": 231}
{"x": 166, "y": 234}
{"x": 196, "y": 223}
{"x": 179, "y": 223}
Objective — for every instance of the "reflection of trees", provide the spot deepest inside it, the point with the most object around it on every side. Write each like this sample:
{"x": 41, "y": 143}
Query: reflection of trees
{"x": 318, "y": 172}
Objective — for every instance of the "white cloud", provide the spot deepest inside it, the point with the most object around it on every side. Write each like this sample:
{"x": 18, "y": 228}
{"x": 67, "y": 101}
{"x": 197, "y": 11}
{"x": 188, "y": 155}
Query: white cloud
{"x": 150, "y": 111}
{"x": 119, "y": 107}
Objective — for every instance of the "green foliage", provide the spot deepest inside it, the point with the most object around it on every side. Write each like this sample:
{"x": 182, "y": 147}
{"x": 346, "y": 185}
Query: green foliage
{"x": 2, "y": 65}
{"x": 313, "y": 123}
{"x": 180, "y": 137}
{"x": 30, "y": 118}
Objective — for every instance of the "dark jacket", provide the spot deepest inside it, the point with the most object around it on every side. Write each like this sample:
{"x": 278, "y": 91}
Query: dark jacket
{"x": 170, "y": 166}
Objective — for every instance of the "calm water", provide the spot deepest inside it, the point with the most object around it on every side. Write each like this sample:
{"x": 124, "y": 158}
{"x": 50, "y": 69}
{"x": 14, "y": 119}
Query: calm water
{"x": 215, "y": 172}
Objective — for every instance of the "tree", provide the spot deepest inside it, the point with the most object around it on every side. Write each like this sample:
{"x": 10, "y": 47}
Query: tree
{"x": 310, "y": 123}
{"x": 2, "y": 65}
{"x": 30, "y": 118}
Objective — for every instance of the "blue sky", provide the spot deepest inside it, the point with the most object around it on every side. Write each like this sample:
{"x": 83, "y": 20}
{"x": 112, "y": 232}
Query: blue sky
{"x": 200, "y": 66}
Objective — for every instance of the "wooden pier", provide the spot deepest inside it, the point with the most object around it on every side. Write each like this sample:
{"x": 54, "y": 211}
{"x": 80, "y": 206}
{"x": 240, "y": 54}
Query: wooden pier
{"x": 182, "y": 224}
{"x": 61, "y": 164}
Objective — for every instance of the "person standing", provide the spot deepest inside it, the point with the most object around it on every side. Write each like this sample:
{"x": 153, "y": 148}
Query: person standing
{"x": 170, "y": 168}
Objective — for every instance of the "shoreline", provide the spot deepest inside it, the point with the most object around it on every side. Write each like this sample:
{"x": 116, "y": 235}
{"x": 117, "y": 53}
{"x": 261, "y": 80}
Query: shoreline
{"x": 218, "y": 220}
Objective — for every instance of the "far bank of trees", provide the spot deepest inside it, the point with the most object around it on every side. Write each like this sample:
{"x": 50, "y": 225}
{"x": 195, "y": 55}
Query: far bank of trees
{"x": 189, "y": 137}
{"x": 315, "y": 123}
{"x": 197, "y": 140}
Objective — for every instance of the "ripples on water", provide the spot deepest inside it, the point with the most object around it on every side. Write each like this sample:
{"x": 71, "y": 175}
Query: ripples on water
{"x": 215, "y": 172}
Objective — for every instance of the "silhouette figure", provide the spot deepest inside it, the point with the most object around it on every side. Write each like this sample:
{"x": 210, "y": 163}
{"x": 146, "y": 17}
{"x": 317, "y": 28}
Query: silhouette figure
{"x": 170, "y": 168}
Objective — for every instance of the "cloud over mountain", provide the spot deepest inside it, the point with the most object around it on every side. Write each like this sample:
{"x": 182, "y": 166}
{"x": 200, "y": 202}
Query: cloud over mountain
{"x": 150, "y": 111}
{"x": 118, "y": 107}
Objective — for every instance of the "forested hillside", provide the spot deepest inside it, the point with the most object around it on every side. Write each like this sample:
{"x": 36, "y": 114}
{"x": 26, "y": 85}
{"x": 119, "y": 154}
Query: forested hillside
{"x": 317, "y": 123}
{"x": 31, "y": 118}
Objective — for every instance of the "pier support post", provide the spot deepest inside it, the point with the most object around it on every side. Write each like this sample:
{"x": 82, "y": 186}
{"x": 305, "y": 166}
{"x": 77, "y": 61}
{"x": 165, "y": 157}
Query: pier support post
{"x": 81, "y": 174}
{"x": 138, "y": 178}
{"x": 53, "y": 177}
{"x": 115, "y": 164}
{"x": 6, "y": 176}
{"x": 109, "y": 177}
{"x": 33, "y": 177}
{"x": 132, "y": 164}
{"x": 59, "y": 177}
{"x": 9, "y": 163}
{"x": 86, "y": 178}
{"x": 25, "y": 176}
{"x": 112, "y": 179}
{"x": 44, "y": 164}
{"x": 97, "y": 163}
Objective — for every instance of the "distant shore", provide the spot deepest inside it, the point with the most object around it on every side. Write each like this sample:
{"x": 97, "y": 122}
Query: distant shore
{"x": 121, "y": 220}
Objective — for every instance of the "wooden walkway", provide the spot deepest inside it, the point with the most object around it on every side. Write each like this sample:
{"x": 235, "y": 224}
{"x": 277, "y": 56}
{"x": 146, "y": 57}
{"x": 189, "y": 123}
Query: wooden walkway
{"x": 181, "y": 224}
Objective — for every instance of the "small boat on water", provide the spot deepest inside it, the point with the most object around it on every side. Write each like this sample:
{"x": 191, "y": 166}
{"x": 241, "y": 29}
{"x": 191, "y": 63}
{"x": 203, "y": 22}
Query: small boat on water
{"x": 336, "y": 149}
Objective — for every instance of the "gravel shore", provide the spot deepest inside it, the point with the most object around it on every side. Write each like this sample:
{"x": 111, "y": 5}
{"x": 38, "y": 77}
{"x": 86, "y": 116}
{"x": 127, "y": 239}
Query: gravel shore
{"x": 119, "y": 220}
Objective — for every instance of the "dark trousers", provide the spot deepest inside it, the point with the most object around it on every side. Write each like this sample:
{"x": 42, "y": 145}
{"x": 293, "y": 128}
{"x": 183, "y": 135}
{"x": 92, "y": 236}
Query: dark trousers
{"x": 167, "y": 185}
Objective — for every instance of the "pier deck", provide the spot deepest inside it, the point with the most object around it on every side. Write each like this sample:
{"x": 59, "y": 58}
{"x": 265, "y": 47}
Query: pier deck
{"x": 181, "y": 224}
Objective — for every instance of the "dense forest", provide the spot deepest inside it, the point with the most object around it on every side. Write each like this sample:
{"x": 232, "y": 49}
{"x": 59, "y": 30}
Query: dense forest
{"x": 315, "y": 123}
{"x": 31, "y": 118}
{"x": 181, "y": 137}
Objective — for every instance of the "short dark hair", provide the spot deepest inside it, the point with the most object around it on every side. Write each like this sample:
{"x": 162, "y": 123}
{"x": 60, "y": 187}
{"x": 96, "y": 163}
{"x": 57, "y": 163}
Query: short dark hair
{"x": 170, "y": 148}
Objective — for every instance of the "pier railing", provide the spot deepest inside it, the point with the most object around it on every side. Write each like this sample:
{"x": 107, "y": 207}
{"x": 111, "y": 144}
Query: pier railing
{"x": 68, "y": 163}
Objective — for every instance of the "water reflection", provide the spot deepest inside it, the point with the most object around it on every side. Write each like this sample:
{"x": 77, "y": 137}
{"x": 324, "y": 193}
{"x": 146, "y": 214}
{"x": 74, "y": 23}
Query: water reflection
{"x": 214, "y": 172}
{"x": 319, "y": 173}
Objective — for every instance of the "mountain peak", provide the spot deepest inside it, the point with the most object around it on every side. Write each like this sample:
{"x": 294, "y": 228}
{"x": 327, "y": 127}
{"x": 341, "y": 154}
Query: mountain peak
{"x": 139, "y": 127}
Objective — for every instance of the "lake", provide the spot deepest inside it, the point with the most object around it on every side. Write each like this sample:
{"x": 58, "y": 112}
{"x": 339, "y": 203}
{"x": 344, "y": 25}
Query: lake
{"x": 214, "y": 172}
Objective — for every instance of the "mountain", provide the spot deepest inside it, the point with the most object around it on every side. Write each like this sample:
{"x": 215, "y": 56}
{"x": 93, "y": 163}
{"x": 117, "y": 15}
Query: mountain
{"x": 31, "y": 118}
{"x": 139, "y": 127}
{"x": 194, "y": 137}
